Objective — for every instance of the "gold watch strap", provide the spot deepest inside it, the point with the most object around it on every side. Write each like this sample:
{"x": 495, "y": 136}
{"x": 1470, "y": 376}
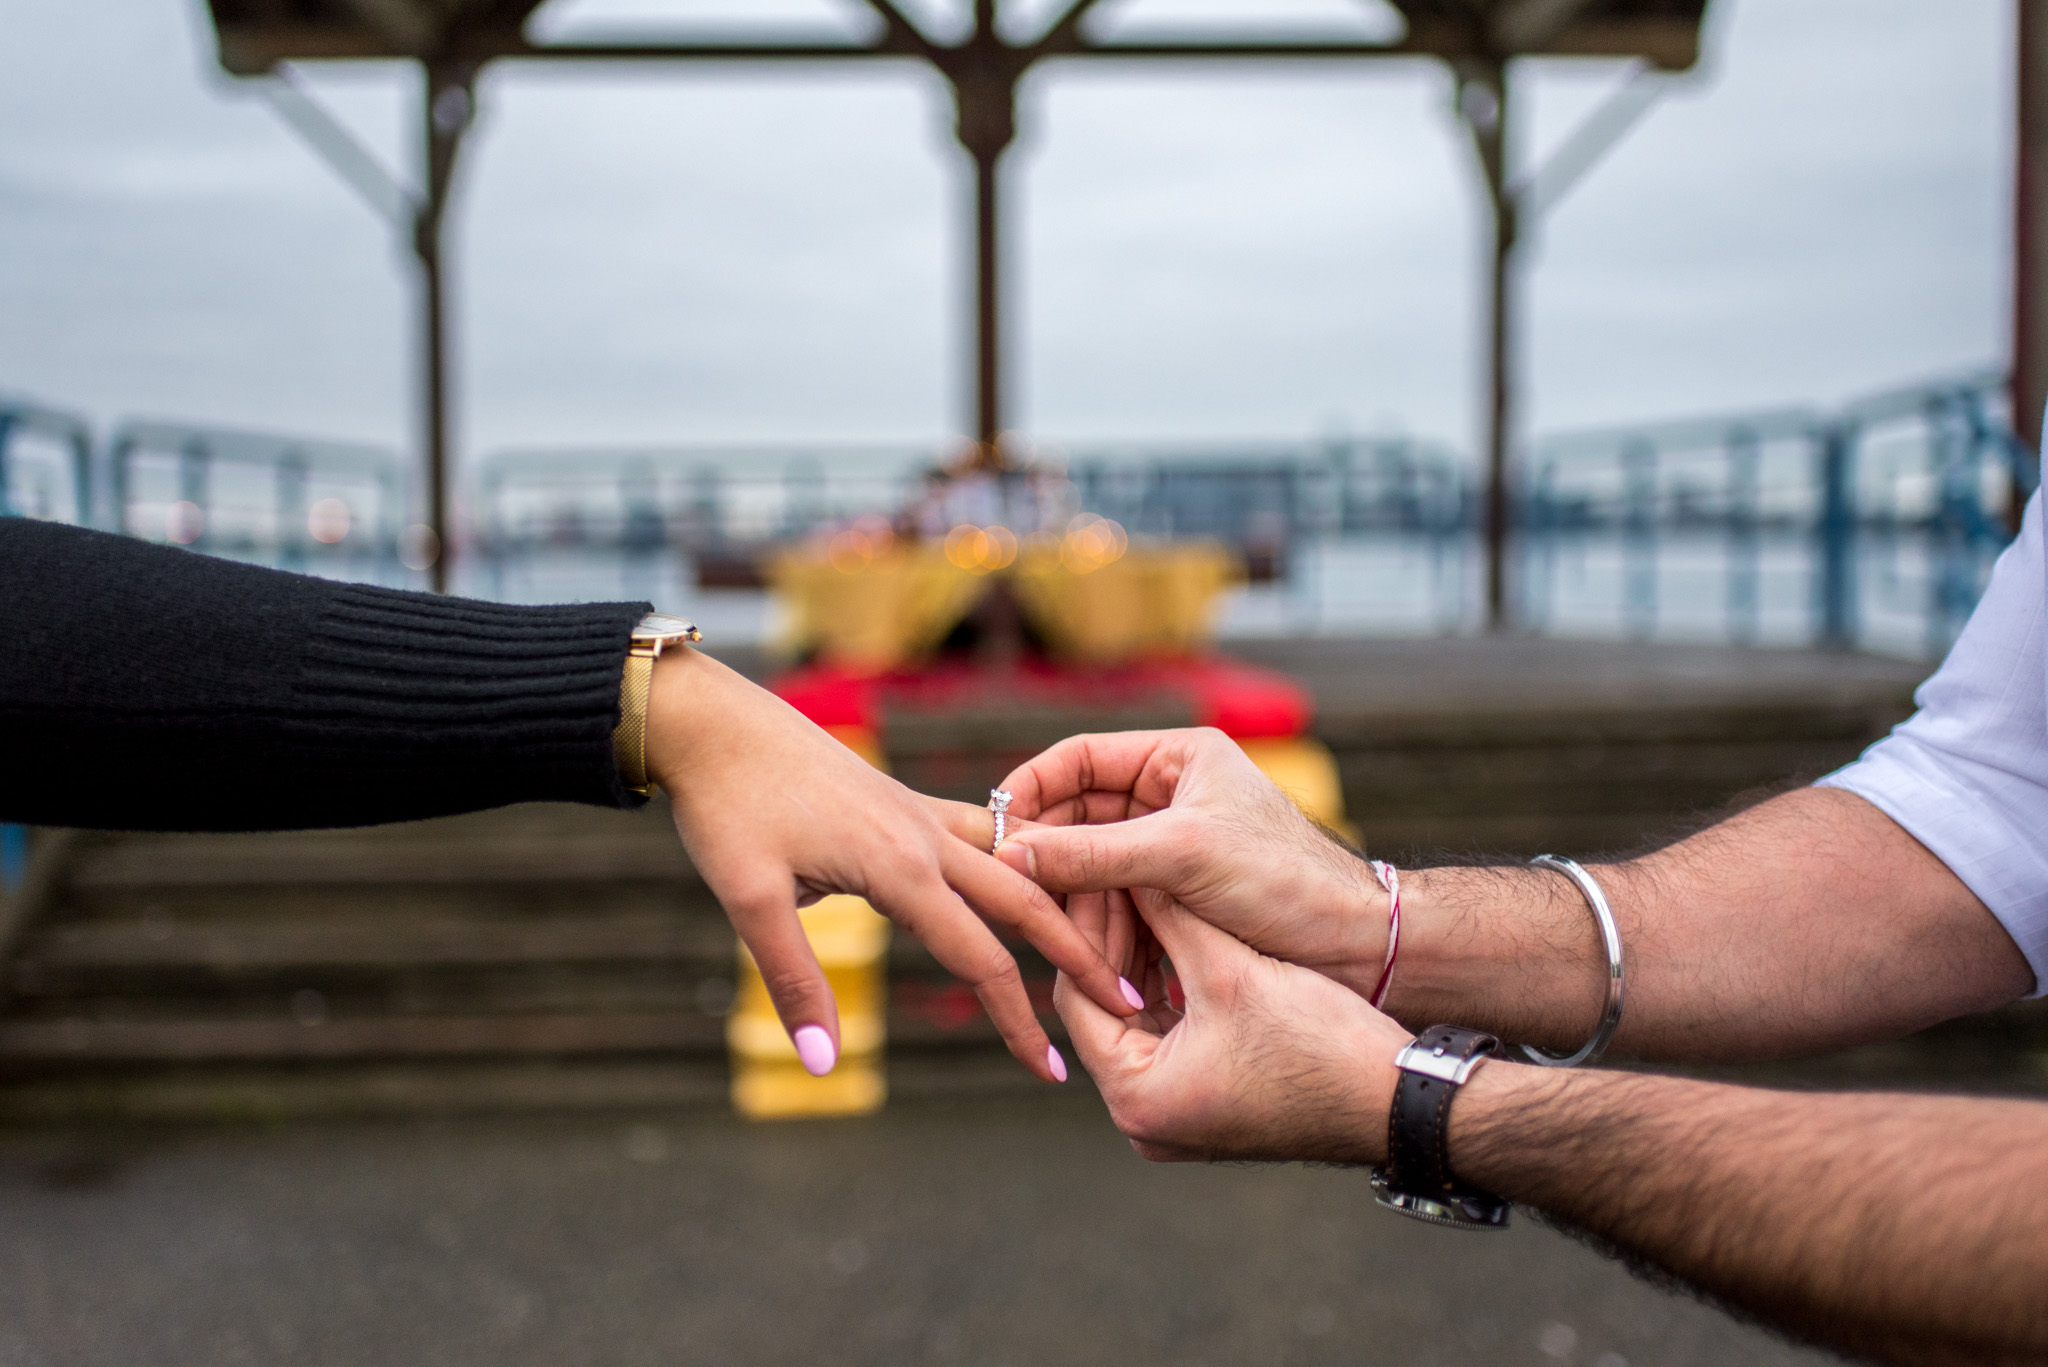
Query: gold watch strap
{"x": 629, "y": 740}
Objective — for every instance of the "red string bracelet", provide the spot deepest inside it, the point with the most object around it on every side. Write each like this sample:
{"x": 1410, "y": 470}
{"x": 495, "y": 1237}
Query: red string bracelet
{"x": 1390, "y": 879}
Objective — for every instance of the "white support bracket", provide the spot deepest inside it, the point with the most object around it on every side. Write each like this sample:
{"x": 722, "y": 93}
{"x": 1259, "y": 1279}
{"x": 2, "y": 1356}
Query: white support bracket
{"x": 1538, "y": 191}
{"x": 392, "y": 199}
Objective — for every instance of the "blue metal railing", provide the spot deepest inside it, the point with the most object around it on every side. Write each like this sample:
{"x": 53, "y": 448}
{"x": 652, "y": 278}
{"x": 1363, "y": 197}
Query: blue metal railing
{"x": 327, "y": 507}
{"x": 1873, "y": 526}
{"x": 46, "y": 470}
{"x": 1253, "y": 496}
{"x": 535, "y": 513}
{"x": 716, "y": 505}
{"x": 1872, "y": 522}
{"x": 46, "y": 463}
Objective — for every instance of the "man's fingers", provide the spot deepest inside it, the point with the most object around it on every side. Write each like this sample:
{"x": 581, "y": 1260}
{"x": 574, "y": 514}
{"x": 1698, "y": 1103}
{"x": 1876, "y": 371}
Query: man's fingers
{"x": 1093, "y": 1031}
{"x": 1144, "y": 852}
{"x": 933, "y": 913}
{"x": 1119, "y": 938}
{"x": 1111, "y": 923}
{"x": 773, "y": 934}
{"x": 1095, "y": 807}
{"x": 1089, "y": 912}
{"x": 1002, "y": 895}
{"x": 1158, "y": 992}
{"x": 1144, "y": 764}
{"x": 1202, "y": 955}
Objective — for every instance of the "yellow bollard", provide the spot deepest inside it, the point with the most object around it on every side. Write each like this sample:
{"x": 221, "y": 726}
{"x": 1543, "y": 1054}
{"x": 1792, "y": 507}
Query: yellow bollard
{"x": 1306, "y": 771}
{"x": 852, "y": 944}
{"x": 768, "y": 1083}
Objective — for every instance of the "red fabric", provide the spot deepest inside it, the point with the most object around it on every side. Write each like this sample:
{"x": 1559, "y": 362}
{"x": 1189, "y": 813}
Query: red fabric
{"x": 1249, "y": 703}
{"x": 830, "y": 697}
{"x": 1241, "y": 700}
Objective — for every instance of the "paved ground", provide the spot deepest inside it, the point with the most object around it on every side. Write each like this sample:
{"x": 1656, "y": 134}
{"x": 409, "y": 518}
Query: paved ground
{"x": 990, "y": 1233}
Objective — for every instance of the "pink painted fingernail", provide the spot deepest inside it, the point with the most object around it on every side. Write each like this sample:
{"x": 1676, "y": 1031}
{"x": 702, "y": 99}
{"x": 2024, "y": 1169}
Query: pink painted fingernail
{"x": 1131, "y": 994}
{"x": 1056, "y": 1063}
{"x": 814, "y": 1049}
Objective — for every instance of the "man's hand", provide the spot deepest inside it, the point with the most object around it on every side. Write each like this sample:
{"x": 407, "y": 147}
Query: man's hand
{"x": 777, "y": 814}
{"x": 1186, "y": 812}
{"x": 1266, "y": 1060}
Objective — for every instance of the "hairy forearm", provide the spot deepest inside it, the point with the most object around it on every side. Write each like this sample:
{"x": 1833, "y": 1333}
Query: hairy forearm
{"x": 1810, "y": 922}
{"x": 1907, "y": 1229}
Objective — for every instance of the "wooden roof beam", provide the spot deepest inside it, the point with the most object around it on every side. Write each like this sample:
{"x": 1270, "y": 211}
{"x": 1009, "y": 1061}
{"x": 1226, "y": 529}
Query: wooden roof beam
{"x": 1531, "y": 25}
{"x": 409, "y": 28}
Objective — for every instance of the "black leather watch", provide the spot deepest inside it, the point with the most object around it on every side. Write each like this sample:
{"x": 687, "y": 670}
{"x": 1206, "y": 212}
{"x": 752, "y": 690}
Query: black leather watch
{"x": 1416, "y": 1179}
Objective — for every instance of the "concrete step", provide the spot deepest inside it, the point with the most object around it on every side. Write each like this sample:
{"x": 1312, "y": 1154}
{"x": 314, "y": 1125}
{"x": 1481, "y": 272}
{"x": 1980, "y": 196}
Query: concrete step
{"x": 537, "y": 844}
{"x": 496, "y": 958}
{"x": 1512, "y": 746}
{"x": 560, "y": 955}
{"x": 249, "y": 945}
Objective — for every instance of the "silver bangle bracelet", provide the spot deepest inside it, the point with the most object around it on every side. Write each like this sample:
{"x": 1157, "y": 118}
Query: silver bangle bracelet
{"x": 1610, "y": 1018}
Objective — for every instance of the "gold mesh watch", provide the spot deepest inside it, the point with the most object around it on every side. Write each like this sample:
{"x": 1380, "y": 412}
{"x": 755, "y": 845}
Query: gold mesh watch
{"x": 655, "y": 633}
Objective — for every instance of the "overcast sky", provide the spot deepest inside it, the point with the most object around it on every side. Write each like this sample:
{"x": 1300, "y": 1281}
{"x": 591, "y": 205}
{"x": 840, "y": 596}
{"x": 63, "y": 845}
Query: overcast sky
{"x": 677, "y": 255}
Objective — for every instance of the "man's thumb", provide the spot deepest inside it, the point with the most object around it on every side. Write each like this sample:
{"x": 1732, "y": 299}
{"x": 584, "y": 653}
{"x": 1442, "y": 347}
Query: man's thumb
{"x": 1201, "y": 953}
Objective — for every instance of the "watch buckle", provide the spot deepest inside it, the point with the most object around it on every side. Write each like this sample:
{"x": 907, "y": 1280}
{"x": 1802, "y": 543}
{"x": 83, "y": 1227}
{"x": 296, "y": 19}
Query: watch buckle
{"x": 1451, "y": 1212}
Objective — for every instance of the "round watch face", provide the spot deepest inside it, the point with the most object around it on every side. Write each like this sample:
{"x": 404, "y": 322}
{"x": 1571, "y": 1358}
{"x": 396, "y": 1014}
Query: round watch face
{"x": 661, "y": 626}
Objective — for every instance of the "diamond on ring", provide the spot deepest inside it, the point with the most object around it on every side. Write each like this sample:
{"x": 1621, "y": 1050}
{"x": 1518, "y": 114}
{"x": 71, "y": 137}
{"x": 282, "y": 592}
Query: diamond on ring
{"x": 999, "y": 803}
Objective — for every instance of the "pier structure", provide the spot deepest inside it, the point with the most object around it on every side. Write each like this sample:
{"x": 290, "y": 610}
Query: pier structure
{"x": 453, "y": 41}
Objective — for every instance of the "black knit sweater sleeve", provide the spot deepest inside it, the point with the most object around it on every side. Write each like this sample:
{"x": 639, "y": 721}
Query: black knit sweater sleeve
{"x": 149, "y": 688}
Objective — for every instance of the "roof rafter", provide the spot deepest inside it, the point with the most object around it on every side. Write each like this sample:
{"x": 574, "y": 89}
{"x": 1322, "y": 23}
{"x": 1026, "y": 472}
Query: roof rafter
{"x": 255, "y": 35}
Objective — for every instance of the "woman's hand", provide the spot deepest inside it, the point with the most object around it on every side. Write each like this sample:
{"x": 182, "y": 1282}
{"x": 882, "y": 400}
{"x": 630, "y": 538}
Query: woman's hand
{"x": 777, "y": 814}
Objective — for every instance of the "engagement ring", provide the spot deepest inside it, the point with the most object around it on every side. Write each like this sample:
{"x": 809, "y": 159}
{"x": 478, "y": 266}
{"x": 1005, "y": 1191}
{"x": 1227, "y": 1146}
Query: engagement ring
{"x": 999, "y": 803}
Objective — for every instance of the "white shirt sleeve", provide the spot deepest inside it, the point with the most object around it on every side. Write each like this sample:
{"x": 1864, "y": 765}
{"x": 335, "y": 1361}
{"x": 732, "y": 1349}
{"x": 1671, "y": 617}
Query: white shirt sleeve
{"x": 1967, "y": 774}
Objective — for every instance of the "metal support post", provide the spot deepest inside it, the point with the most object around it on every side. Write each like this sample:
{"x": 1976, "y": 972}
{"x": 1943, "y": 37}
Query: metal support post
{"x": 449, "y": 108}
{"x": 988, "y": 294}
{"x": 1483, "y": 105}
{"x": 292, "y": 532}
{"x": 2030, "y": 234}
{"x": 83, "y": 489}
{"x": 1639, "y": 539}
{"x": 1836, "y": 539}
{"x": 1744, "y": 545}
{"x": 7, "y": 425}
{"x": 195, "y": 470}
{"x": 983, "y": 72}
{"x": 1957, "y": 527}
{"x": 119, "y": 484}
{"x": 643, "y": 532}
